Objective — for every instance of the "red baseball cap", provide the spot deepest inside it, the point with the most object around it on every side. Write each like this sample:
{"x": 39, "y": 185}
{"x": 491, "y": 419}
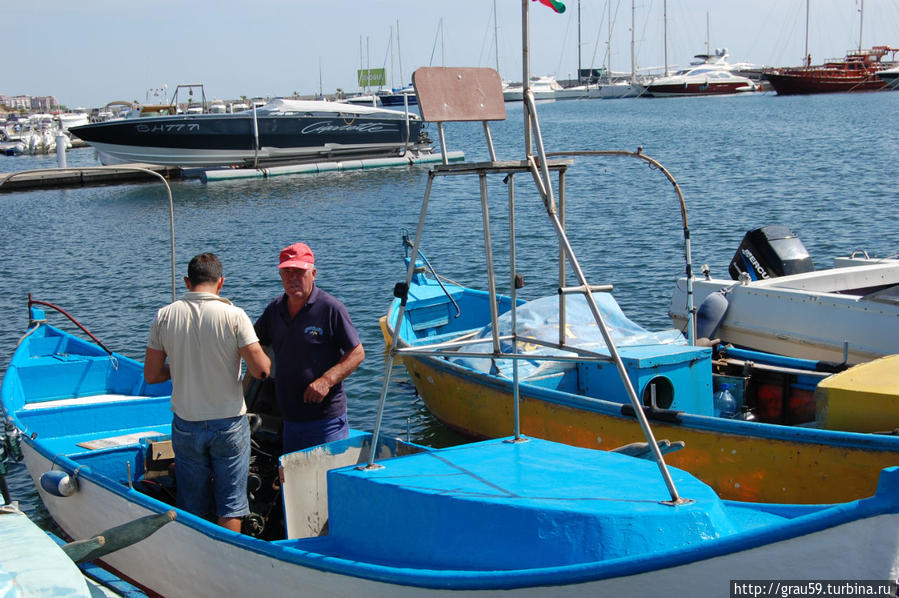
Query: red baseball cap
{"x": 297, "y": 255}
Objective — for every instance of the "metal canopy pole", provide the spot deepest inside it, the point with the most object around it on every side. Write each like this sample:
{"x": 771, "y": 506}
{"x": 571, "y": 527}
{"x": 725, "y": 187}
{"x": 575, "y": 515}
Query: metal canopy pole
{"x": 597, "y": 315}
{"x": 516, "y": 395}
{"x": 682, "y": 204}
{"x": 488, "y": 254}
{"x": 168, "y": 190}
{"x": 402, "y": 293}
{"x": 541, "y": 176}
{"x": 562, "y": 271}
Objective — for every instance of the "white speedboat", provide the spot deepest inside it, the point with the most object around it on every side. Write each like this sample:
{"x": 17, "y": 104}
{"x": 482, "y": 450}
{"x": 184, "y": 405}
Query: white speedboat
{"x": 545, "y": 88}
{"x": 575, "y": 92}
{"x": 708, "y": 74}
{"x": 703, "y": 80}
{"x": 281, "y": 130}
{"x": 68, "y": 120}
{"x": 891, "y": 76}
{"x": 777, "y": 302}
{"x": 370, "y": 99}
{"x": 620, "y": 89}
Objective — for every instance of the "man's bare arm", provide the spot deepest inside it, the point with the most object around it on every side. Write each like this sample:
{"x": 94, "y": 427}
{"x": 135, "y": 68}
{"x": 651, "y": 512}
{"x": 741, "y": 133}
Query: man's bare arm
{"x": 156, "y": 370}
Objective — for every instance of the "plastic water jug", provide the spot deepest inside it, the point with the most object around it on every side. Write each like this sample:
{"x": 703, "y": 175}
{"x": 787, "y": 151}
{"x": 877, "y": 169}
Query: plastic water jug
{"x": 725, "y": 403}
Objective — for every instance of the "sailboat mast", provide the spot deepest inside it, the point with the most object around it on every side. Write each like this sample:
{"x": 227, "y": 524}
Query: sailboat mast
{"x": 665, "y": 34}
{"x": 399, "y": 54}
{"x": 392, "y": 62}
{"x": 861, "y": 23}
{"x": 708, "y": 51}
{"x": 808, "y": 57}
{"x": 578, "y": 42}
{"x": 495, "y": 37}
{"x": 609, "y": 44}
{"x": 633, "y": 30}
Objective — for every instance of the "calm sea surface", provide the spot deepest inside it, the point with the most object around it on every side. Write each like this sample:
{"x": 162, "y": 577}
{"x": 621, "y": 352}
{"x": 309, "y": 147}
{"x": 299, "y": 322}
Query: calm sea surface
{"x": 823, "y": 165}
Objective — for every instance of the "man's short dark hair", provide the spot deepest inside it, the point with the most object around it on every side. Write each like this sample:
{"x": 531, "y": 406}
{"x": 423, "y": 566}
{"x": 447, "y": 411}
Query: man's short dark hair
{"x": 205, "y": 267}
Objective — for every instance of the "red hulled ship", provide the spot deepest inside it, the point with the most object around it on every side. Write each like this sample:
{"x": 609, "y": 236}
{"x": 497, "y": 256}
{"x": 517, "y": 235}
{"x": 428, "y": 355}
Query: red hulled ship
{"x": 856, "y": 72}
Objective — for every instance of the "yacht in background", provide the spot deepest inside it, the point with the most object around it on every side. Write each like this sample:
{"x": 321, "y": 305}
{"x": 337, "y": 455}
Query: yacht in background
{"x": 858, "y": 71}
{"x": 891, "y": 76}
{"x": 545, "y": 88}
{"x": 280, "y": 131}
{"x": 709, "y": 74}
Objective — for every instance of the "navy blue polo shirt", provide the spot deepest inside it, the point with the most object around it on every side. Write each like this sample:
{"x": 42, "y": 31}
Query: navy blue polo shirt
{"x": 305, "y": 347}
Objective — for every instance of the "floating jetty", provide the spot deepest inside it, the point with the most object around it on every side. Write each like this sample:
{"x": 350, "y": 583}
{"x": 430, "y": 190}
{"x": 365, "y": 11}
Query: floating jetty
{"x": 83, "y": 177}
{"x": 221, "y": 174}
{"x": 128, "y": 173}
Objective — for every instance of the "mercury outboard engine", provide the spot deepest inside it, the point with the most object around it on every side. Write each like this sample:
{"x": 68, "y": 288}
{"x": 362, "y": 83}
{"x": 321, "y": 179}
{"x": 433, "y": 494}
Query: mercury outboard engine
{"x": 768, "y": 252}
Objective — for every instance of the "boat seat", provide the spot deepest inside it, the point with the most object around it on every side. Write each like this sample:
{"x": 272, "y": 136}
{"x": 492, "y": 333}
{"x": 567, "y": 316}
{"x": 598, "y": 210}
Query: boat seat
{"x": 459, "y": 94}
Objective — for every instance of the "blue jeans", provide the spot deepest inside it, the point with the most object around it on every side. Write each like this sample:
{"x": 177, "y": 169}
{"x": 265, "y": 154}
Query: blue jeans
{"x": 299, "y": 435}
{"x": 212, "y": 462}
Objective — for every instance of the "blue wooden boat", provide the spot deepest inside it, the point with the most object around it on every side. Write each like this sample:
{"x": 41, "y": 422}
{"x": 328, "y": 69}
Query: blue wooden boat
{"x": 497, "y": 515}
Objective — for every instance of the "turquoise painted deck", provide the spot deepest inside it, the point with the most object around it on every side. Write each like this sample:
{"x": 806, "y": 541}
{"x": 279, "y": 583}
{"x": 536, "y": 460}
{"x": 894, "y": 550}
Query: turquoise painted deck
{"x": 498, "y": 505}
{"x": 31, "y": 564}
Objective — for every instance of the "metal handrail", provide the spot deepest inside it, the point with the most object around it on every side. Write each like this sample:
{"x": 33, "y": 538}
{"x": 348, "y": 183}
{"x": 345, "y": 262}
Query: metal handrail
{"x": 688, "y": 255}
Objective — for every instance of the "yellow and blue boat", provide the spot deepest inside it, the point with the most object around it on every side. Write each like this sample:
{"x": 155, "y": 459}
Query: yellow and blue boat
{"x": 583, "y": 404}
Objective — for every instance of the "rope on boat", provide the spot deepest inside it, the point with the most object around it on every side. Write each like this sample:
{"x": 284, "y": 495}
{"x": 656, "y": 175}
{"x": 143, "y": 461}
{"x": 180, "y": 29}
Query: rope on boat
{"x": 66, "y": 314}
{"x": 28, "y": 333}
{"x": 408, "y": 245}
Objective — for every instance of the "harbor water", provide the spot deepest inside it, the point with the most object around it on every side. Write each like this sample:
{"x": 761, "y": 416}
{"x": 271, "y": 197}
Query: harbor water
{"x": 822, "y": 165}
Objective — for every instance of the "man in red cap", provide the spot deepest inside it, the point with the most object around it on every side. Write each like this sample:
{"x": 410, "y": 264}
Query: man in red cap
{"x": 315, "y": 347}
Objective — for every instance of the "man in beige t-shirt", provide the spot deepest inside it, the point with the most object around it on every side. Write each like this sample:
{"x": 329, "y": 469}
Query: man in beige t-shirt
{"x": 204, "y": 336}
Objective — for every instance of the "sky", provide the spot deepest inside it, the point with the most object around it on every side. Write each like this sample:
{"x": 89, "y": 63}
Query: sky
{"x": 92, "y": 52}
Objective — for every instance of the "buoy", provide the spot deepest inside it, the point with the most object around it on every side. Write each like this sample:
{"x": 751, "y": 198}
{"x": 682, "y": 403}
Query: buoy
{"x": 59, "y": 483}
{"x": 711, "y": 314}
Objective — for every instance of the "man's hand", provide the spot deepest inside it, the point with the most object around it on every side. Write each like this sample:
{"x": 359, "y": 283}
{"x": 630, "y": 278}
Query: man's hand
{"x": 317, "y": 390}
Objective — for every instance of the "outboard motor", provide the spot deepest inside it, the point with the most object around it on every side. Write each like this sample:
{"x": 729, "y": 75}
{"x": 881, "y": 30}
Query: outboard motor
{"x": 768, "y": 252}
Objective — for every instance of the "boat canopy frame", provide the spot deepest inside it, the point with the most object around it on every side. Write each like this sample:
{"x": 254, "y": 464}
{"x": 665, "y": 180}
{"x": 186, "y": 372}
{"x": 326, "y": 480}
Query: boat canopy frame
{"x": 445, "y": 95}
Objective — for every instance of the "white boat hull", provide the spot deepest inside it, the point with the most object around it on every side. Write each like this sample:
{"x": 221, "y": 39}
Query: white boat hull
{"x": 620, "y": 90}
{"x": 110, "y": 154}
{"x": 221, "y": 563}
{"x": 803, "y": 315}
